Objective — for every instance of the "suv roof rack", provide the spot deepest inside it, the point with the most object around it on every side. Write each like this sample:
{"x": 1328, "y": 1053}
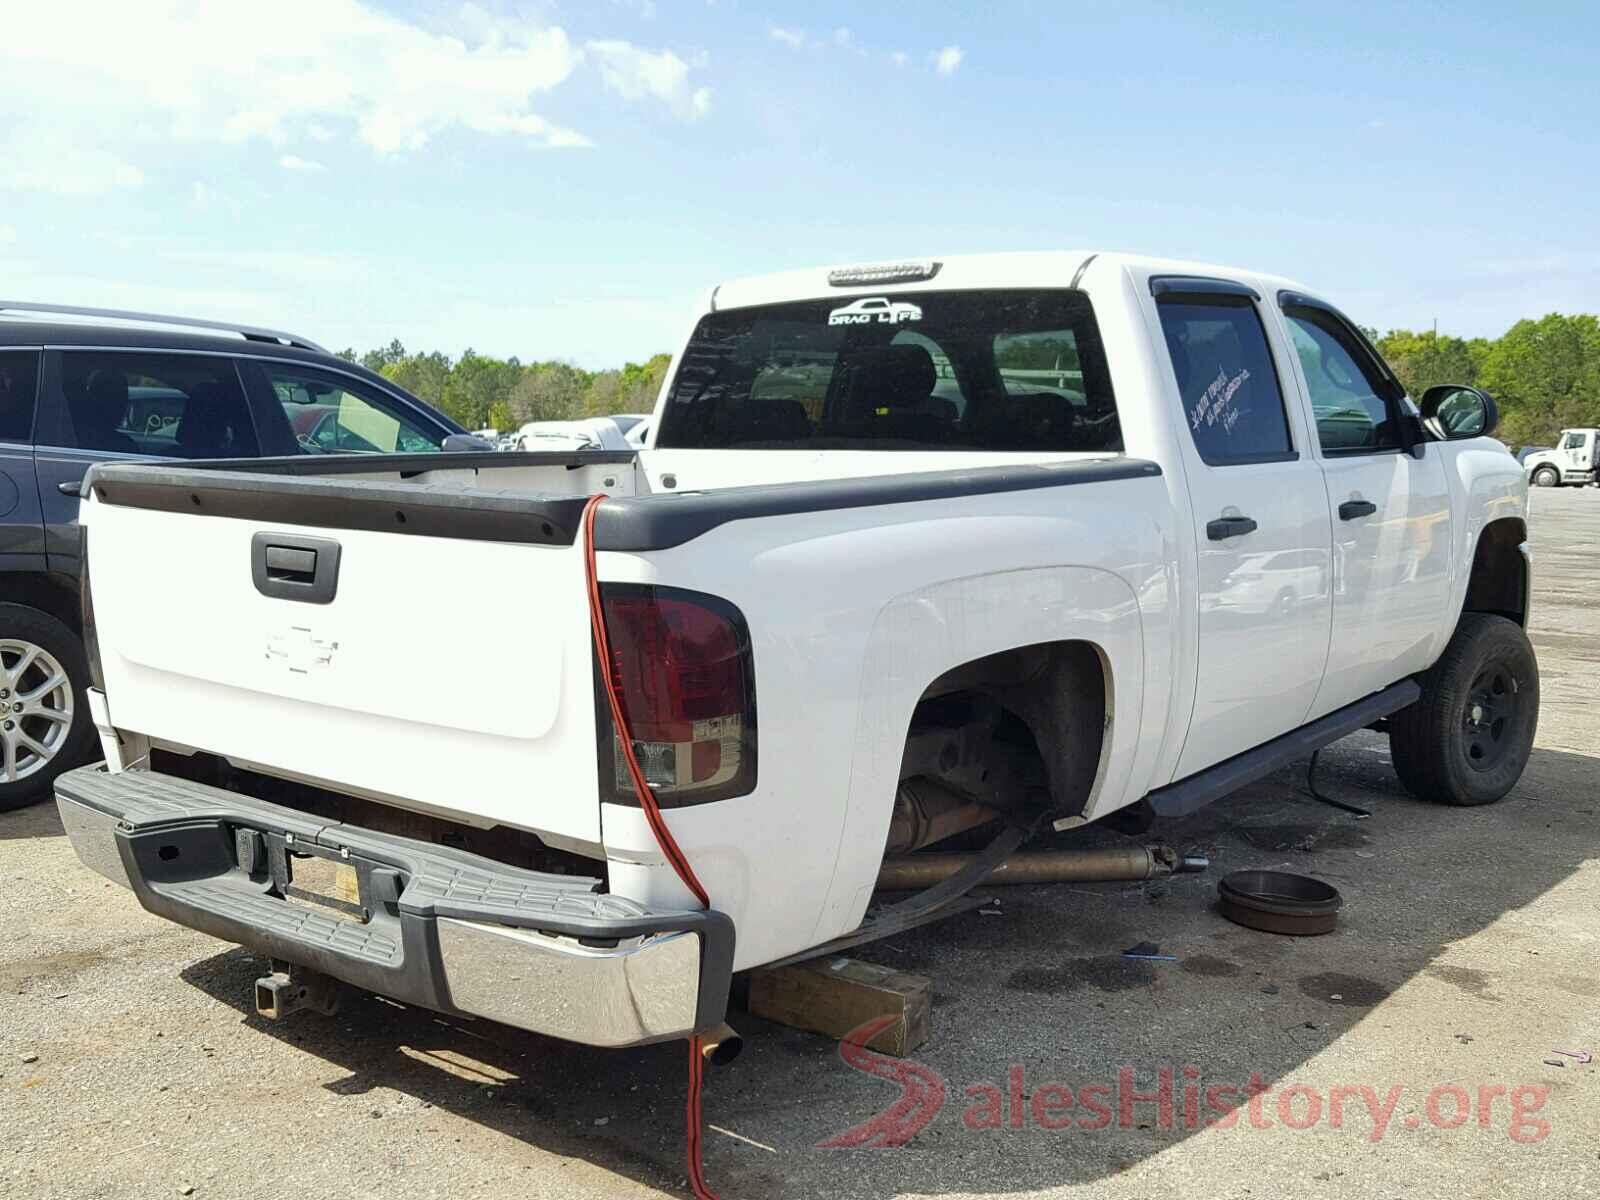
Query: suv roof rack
{"x": 252, "y": 333}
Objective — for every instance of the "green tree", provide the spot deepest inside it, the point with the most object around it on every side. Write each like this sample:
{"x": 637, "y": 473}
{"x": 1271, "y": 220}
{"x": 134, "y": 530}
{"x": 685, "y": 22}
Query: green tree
{"x": 551, "y": 391}
{"x": 630, "y": 390}
{"x": 423, "y": 375}
{"x": 1546, "y": 376}
{"x": 501, "y": 417}
{"x": 604, "y": 394}
{"x": 377, "y": 360}
{"x": 1422, "y": 360}
{"x": 475, "y": 385}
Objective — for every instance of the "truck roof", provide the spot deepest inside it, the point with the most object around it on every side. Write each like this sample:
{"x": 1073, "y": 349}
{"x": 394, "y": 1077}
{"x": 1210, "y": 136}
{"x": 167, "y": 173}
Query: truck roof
{"x": 1017, "y": 269}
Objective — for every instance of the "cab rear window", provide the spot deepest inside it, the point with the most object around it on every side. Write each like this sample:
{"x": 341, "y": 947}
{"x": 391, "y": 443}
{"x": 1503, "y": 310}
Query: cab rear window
{"x": 975, "y": 370}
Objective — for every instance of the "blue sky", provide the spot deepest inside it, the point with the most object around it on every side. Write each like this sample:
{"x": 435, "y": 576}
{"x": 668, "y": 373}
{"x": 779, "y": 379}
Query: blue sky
{"x": 564, "y": 180}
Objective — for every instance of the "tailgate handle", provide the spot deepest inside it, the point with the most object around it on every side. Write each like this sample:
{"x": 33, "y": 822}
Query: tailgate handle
{"x": 288, "y": 566}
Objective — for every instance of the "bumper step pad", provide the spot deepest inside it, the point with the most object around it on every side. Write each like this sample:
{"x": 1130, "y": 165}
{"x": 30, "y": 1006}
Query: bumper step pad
{"x": 220, "y": 862}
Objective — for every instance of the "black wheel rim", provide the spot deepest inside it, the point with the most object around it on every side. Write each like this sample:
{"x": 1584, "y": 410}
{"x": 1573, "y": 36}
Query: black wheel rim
{"x": 1488, "y": 724}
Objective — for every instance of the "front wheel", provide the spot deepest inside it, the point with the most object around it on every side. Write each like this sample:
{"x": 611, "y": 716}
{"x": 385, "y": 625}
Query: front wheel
{"x": 1546, "y": 477}
{"x": 44, "y": 717}
{"x": 1467, "y": 740}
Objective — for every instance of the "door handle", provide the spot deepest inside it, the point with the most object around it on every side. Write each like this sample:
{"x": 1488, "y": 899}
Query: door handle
{"x": 1227, "y": 527}
{"x": 70, "y": 487}
{"x": 1351, "y": 509}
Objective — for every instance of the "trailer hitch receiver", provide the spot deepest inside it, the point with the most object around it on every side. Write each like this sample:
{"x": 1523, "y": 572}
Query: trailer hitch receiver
{"x": 289, "y": 988}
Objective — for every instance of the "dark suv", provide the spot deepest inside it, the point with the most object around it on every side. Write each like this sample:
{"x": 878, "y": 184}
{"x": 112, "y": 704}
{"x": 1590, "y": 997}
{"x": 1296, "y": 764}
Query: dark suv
{"x": 76, "y": 394}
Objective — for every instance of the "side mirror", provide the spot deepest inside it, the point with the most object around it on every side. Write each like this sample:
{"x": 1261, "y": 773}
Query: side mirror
{"x": 1453, "y": 411}
{"x": 465, "y": 443}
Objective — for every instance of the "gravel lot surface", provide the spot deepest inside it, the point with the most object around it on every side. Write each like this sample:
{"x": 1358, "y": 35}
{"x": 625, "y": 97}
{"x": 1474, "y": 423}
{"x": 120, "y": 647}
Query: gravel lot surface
{"x": 131, "y": 1063}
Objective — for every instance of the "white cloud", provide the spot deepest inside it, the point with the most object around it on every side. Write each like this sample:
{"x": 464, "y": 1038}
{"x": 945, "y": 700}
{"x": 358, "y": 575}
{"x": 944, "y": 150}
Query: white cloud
{"x": 97, "y": 95}
{"x": 793, "y": 38}
{"x": 947, "y": 60}
{"x": 293, "y": 162}
{"x": 636, "y": 74}
{"x": 30, "y": 160}
{"x": 899, "y": 58}
{"x": 8, "y": 234}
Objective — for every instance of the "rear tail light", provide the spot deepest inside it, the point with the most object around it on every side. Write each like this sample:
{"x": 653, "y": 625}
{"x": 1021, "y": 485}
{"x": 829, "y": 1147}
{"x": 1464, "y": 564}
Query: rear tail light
{"x": 682, "y": 666}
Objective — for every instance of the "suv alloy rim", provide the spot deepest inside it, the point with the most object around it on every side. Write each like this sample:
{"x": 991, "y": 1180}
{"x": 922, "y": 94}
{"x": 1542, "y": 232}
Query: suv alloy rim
{"x": 35, "y": 709}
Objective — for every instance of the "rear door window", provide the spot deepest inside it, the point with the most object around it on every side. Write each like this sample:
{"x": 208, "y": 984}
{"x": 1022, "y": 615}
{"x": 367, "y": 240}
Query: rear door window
{"x": 172, "y": 405}
{"x": 1232, "y": 401}
{"x": 19, "y": 386}
{"x": 980, "y": 370}
{"x": 332, "y": 414}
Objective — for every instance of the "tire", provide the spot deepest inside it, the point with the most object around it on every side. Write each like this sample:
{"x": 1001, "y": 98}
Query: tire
{"x": 1467, "y": 740}
{"x": 1546, "y": 477}
{"x": 42, "y": 647}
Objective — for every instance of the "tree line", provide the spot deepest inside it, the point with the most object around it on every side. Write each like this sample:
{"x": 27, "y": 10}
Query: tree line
{"x": 1544, "y": 373}
{"x": 494, "y": 393}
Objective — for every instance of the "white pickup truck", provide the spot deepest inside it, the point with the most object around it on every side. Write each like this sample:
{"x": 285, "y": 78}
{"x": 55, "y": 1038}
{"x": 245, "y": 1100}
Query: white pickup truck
{"x": 1057, "y": 535}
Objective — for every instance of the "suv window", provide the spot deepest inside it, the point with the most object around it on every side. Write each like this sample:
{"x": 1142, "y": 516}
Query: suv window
{"x": 1232, "y": 402}
{"x": 915, "y": 371}
{"x": 1347, "y": 392}
{"x": 19, "y": 384}
{"x": 176, "y": 405}
{"x": 330, "y": 414}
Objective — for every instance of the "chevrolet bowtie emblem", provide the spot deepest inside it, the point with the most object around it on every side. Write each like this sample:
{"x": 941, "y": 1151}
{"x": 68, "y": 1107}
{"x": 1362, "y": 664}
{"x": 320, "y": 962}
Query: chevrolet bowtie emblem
{"x": 298, "y": 650}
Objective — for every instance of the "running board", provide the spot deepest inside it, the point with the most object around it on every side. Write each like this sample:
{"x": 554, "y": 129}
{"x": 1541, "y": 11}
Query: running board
{"x": 1187, "y": 795}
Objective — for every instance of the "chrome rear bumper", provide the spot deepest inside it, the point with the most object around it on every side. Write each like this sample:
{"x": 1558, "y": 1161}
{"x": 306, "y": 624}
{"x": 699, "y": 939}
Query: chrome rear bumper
{"x": 432, "y": 925}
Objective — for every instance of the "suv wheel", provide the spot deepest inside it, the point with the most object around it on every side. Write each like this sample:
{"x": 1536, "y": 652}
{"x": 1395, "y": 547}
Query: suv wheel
{"x": 44, "y": 716}
{"x": 1467, "y": 740}
{"x": 1546, "y": 477}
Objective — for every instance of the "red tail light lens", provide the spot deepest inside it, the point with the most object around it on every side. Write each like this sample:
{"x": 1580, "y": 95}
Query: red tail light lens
{"x": 682, "y": 666}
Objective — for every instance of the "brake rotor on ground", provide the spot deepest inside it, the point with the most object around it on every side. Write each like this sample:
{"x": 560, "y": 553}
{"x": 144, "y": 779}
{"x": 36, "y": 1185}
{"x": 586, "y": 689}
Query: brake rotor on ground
{"x": 1279, "y": 902}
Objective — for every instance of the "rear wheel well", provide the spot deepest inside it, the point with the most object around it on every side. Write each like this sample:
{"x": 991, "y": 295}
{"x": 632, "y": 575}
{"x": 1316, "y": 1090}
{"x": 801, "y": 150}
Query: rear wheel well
{"x": 1023, "y": 726}
{"x": 45, "y": 592}
{"x": 1499, "y": 580}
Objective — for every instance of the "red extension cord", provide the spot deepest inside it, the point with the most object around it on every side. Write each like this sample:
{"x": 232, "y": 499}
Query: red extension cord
{"x": 669, "y": 845}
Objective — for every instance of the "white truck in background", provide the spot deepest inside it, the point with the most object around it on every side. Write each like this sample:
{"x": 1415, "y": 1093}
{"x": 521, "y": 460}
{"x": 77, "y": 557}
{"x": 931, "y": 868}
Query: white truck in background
{"x": 1088, "y": 531}
{"x": 1574, "y": 461}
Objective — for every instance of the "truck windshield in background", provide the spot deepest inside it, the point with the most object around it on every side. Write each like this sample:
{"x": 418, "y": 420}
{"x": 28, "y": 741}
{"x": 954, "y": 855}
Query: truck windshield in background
{"x": 971, "y": 370}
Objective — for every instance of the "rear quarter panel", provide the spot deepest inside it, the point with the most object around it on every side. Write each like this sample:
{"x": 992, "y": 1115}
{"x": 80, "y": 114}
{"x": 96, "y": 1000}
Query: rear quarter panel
{"x": 852, "y": 614}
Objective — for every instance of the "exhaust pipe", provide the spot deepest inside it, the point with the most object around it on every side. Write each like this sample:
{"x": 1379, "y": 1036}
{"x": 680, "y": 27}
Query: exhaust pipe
{"x": 721, "y": 1045}
{"x": 915, "y": 872}
{"x": 925, "y": 811}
